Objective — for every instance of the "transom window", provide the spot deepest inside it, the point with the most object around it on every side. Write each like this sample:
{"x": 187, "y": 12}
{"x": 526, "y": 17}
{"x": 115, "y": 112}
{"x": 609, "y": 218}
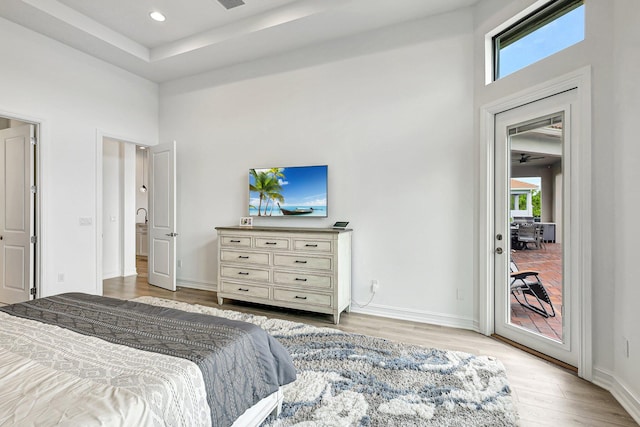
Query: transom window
{"x": 556, "y": 26}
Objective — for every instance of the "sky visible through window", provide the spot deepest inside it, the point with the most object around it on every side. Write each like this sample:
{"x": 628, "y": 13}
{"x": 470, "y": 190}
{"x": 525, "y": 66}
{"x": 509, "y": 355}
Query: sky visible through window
{"x": 553, "y": 37}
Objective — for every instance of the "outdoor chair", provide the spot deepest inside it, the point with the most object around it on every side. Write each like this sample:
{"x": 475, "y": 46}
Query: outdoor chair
{"x": 526, "y": 235}
{"x": 540, "y": 237}
{"x": 529, "y": 291}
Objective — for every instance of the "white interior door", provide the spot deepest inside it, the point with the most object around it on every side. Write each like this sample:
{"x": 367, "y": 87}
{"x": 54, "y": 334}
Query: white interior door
{"x": 536, "y": 140}
{"x": 162, "y": 216}
{"x": 16, "y": 213}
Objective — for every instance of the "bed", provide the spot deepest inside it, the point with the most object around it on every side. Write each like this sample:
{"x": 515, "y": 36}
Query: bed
{"x": 78, "y": 359}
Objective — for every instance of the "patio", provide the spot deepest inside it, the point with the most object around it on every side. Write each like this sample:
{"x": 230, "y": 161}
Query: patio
{"x": 547, "y": 261}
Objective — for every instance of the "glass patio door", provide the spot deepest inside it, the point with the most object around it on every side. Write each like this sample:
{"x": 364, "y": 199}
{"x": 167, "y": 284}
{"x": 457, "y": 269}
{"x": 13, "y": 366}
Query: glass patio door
{"x": 533, "y": 282}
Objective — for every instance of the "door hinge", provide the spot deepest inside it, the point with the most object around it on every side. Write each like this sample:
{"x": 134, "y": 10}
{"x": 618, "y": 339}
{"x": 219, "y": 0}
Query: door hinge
{"x": 34, "y": 141}
{"x": 34, "y": 239}
{"x": 33, "y": 291}
{"x": 34, "y": 189}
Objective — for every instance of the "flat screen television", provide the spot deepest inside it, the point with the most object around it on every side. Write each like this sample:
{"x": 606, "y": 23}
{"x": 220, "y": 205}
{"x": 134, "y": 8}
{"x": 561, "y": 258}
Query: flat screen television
{"x": 298, "y": 191}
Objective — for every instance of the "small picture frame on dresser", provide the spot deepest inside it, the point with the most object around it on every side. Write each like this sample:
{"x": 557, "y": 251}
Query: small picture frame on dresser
{"x": 246, "y": 221}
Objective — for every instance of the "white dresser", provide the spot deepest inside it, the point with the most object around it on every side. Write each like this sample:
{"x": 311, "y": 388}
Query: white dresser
{"x": 301, "y": 268}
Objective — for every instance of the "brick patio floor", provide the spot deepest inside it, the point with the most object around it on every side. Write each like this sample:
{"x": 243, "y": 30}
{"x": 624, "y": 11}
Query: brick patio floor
{"x": 548, "y": 263}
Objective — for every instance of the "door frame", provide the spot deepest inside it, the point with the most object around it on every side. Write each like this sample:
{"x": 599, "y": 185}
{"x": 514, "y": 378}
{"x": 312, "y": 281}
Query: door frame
{"x": 41, "y": 134}
{"x": 100, "y": 136}
{"x": 580, "y": 258}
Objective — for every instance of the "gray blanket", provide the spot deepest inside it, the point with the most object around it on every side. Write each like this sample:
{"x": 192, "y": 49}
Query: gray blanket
{"x": 240, "y": 362}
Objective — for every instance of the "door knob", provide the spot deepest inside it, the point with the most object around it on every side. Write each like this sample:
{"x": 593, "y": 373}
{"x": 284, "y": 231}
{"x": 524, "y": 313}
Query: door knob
{"x": 499, "y": 251}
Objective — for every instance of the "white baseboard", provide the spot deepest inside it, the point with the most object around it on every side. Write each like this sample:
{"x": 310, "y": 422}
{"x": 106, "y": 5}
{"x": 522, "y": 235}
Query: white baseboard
{"x": 194, "y": 284}
{"x": 133, "y": 272}
{"x": 626, "y": 398}
{"x": 113, "y": 274}
{"x": 603, "y": 378}
{"x": 417, "y": 316}
{"x": 110, "y": 275}
{"x": 373, "y": 309}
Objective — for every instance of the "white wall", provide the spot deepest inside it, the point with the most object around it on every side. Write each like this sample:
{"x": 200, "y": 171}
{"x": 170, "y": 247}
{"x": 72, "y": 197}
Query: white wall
{"x": 390, "y": 112}
{"x": 112, "y": 174}
{"x": 128, "y": 212}
{"x": 73, "y": 95}
{"x": 611, "y": 49}
{"x": 626, "y": 316}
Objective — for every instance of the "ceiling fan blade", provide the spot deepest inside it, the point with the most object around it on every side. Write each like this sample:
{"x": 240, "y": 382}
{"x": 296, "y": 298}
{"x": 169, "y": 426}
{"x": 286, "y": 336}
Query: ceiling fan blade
{"x": 524, "y": 158}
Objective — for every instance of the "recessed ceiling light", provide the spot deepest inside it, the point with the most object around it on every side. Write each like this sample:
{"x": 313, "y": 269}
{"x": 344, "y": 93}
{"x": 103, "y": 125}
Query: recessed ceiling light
{"x": 157, "y": 16}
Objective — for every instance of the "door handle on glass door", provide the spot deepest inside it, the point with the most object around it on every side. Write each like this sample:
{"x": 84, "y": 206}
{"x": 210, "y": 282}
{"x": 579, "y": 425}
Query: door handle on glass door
{"x": 499, "y": 251}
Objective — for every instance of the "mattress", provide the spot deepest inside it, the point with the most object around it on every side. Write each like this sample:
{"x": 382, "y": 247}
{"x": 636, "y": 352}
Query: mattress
{"x": 77, "y": 359}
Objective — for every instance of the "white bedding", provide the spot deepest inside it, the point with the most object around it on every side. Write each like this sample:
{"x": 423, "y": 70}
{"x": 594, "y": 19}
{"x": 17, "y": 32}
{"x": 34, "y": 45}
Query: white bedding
{"x": 53, "y": 376}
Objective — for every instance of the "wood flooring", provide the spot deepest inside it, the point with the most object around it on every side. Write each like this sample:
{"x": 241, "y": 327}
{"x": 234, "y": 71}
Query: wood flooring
{"x": 545, "y": 394}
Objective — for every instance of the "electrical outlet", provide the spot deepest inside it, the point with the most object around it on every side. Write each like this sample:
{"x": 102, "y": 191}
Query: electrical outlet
{"x": 85, "y": 220}
{"x": 375, "y": 285}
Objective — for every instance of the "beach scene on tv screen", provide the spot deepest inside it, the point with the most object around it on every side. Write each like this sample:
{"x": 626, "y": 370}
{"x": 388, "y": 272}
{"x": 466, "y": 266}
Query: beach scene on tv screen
{"x": 299, "y": 191}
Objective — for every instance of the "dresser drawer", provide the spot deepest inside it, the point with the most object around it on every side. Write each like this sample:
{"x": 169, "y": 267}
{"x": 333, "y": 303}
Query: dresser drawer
{"x": 245, "y": 290}
{"x": 294, "y": 261}
{"x": 302, "y": 279}
{"x": 272, "y": 243}
{"x": 244, "y": 257}
{"x": 306, "y": 298}
{"x": 237, "y": 241}
{"x": 242, "y": 273}
{"x": 312, "y": 245}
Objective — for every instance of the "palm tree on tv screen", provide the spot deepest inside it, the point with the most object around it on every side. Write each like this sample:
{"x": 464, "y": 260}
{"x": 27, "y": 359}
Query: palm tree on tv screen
{"x": 267, "y": 185}
{"x": 274, "y": 195}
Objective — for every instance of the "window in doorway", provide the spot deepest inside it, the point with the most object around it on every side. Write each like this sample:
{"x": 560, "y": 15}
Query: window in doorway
{"x": 550, "y": 29}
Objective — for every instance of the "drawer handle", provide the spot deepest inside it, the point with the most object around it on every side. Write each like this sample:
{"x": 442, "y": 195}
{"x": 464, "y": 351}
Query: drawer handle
{"x": 300, "y": 280}
{"x": 243, "y": 290}
{"x": 300, "y": 262}
{"x": 297, "y": 297}
{"x": 242, "y": 273}
{"x": 270, "y": 243}
{"x": 309, "y": 245}
{"x": 243, "y": 257}
{"x": 235, "y": 241}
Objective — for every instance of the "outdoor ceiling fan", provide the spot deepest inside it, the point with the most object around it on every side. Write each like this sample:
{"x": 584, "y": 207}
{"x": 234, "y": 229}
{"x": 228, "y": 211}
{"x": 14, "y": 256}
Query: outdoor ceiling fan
{"x": 524, "y": 158}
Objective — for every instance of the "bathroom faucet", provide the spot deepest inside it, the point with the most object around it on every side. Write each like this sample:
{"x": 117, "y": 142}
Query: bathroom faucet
{"x": 145, "y": 214}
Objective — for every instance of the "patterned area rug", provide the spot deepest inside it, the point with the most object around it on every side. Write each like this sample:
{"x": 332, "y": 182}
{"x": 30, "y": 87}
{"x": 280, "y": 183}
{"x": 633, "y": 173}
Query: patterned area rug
{"x": 356, "y": 380}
